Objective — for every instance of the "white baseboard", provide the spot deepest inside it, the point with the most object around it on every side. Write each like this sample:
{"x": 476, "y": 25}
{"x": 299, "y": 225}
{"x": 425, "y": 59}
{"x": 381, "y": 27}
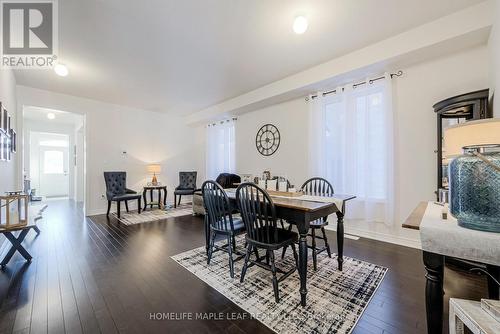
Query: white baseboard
{"x": 384, "y": 237}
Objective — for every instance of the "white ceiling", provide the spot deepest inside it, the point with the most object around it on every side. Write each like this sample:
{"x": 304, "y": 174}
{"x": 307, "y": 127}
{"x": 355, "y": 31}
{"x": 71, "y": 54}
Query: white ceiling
{"x": 183, "y": 56}
{"x": 61, "y": 117}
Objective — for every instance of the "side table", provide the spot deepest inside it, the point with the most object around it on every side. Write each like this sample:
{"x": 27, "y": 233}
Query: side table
{"x": 151, "y": 189}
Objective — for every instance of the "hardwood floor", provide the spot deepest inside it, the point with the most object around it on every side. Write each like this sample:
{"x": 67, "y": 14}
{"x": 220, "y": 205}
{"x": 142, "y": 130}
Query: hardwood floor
{"x": 91, "y": 277}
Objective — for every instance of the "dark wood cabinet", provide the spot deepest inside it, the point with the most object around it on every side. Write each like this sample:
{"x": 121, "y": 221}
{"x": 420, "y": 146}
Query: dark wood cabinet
{"x": 455, "y": 110}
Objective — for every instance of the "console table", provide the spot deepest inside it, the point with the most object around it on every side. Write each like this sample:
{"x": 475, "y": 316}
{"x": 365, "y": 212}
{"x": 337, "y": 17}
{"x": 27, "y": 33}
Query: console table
{"x": 442, "y": 238}
{"x": 35, "y": 213}
{"x": 151, "y": 203}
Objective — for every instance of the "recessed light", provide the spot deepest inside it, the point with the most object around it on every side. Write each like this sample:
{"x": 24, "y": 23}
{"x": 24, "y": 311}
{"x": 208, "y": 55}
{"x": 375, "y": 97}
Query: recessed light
{"x": 300, "y": 25}
{"x": 51, "y": 115}
{"x": 61, "y": 70}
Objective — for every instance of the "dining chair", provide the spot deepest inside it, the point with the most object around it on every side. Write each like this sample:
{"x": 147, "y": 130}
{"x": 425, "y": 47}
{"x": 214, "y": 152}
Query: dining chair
{"x": 259, "y": 216}
{"x": 316, "y": 186}
{"x": 218, "y": 212}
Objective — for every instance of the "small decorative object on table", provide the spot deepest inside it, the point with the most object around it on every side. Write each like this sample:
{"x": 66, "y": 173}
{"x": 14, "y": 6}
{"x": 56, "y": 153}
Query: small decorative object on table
{"x": 154, "y": 169}
{"x": 13, "y": 209}
{"x": 475, "y": 174}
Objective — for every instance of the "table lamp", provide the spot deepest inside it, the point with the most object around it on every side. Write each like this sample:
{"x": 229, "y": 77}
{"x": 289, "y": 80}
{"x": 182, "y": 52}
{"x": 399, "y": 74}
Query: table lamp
{"x": 154, "y": 169}
{"x": 474, "y": 173}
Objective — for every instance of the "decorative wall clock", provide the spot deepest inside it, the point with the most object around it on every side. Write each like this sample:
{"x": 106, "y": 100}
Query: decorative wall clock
{"x": 267, "y": 139}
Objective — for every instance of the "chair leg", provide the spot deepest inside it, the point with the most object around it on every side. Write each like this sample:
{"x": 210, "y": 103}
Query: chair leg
{"x": 270, "y": 254}
{"x": 211, "y": 247}
{"x": 109, "y": 208}
{"x": 257, "y": 256}
{"x": 283, "y": 252}
{"x": 313, "y": 244}
{"x": 175, "y": 201}
{"x": 139, "y": 205}
{"x": 230, "y": 251}
{"x": 233, "y": 240}
{"x": 180, "y": 196}
{"x": 126, "y": 205}
{"x": 327, "y": 245}
{"x": 245, "y": 263}
{"x": 118, "y": 208}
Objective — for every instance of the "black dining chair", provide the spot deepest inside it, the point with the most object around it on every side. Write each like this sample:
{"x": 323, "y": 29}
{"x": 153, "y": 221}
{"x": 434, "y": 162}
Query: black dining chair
{"x": 221, "y": 221}
{"x": 117, "y": 191}
{"x": 259, "y": 216}
{"x": 316, "y": 186}
{"x": 187, "y": 186}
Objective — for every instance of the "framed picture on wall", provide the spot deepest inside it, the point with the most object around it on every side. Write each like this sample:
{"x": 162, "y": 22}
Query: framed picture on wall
{"x": 13, "y": 141}
{"x": 5, "y": 120}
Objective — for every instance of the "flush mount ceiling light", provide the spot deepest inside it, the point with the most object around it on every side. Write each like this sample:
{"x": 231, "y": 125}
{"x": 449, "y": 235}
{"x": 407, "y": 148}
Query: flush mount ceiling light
{"x": 61, "y": 70}
{"x": 300, "y": 25}
{"x": 51, "y": 115}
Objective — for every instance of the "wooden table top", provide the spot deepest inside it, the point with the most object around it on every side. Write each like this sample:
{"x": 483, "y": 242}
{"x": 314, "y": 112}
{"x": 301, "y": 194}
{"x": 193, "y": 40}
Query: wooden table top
{"x": 415, "y": 218}
{"x": 297, "y": 203}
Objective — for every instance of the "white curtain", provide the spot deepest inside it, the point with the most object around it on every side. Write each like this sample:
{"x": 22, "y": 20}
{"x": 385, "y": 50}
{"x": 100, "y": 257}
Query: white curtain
{"x": 353, "y": 147}
{"x": 220, "y": 153}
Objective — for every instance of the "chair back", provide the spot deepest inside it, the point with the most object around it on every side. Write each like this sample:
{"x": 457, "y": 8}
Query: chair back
{"x": 187, "y": 180}
{"x": 317, "y": 186}
{"x": 217, "y": 206}
{"x": 258, "y": 213}
{"x": 116, "y": 183}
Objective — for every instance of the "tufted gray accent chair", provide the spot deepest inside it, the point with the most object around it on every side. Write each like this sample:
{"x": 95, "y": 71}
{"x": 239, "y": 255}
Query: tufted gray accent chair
{"x": 187, "y": 185}
{"x": 117, "y": 191}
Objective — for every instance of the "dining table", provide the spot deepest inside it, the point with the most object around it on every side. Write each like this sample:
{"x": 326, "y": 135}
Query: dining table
{"x": 300, "y": 211}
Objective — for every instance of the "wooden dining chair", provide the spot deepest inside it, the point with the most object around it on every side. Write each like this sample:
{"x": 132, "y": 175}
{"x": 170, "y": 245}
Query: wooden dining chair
{"x": 259, "y": 216}
{"x": 221, "y": 222}
{"x": 316, "y": 186}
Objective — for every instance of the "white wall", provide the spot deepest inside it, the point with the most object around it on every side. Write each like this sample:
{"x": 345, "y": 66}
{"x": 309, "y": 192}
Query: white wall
{"x": 8, "y": 170}
{"x": 80, "y": 164}
{"x": 145, "y": 136}
{"x": 416, "y": 91}
{"x": 494, "y": 48}
{"x": 291, "y": 158}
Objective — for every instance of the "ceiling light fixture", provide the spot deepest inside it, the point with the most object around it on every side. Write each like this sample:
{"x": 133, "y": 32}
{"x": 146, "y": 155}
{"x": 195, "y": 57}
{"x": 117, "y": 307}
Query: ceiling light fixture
{"x": 61, "y": 70}
{"x": 300, "y": 25}
{"x": 51, "y": 115}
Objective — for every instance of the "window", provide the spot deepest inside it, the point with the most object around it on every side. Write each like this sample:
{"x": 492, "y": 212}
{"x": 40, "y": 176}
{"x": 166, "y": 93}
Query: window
{"x": 354, "y": 147}
{"x": 220, "y": 149}
{"x": 53, "y": 162}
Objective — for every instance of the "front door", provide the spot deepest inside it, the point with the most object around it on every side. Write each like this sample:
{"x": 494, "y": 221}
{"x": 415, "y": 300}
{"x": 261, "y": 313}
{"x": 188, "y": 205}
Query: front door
{"x": 54, "y": 178}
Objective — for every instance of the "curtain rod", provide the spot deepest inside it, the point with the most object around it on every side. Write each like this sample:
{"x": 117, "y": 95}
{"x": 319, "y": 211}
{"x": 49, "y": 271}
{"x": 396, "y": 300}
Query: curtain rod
{"x": 223, "y": 121}
{"x": 397, "y": 74}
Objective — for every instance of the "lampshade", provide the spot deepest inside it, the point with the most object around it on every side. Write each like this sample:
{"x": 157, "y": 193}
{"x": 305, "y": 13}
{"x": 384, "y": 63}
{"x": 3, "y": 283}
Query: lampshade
{"x": 481, "y": 132}
{"x": 154, "y": 169}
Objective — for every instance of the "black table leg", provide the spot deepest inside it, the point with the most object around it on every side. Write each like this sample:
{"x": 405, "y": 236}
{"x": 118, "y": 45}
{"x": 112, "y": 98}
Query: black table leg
{"x": 164, "y": 197}
{"x": 16, "y": 246}
{"x": 303, "y": 229}
{"x": 434, "y": 265}
{"x": 151, "y": 198}
{"x": 340, "y": 238}
{"x": 493, "y": 288}
{"x": 144, "y": 192}
{"x": 159, "y": 198}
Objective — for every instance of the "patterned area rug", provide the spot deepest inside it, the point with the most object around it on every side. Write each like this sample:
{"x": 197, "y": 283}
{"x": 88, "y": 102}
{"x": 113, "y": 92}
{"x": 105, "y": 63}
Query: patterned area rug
{"x": 148, "y": 216}
{"x": 335, "y": 300}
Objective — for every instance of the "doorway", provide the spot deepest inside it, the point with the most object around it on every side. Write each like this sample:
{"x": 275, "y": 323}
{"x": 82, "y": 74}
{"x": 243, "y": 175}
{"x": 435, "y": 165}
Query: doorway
{"x": 49, "y": 171}
{"x": 54, "y": 154}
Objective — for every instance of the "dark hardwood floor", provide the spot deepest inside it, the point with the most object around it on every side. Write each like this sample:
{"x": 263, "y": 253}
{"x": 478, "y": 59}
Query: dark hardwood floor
{"x": 99, "y": 276}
